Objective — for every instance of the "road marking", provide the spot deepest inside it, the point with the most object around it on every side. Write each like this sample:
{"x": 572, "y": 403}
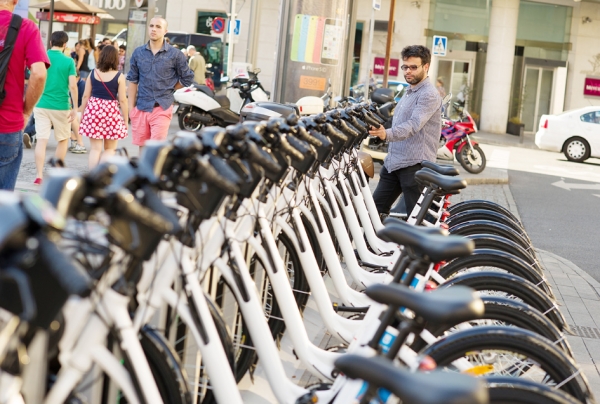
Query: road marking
{"x": 569, "y": 186}
{"x": 499, "y": 159}
{"x": 597, "y": 195}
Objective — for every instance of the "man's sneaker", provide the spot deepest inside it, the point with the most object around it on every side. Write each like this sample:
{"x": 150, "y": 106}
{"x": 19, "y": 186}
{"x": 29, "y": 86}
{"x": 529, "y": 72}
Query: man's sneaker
{"x": 72, "y": 144}
{"x": 79, "y": 149}
{"x": 27, "y": 140}
{"x": 38, "y": 181}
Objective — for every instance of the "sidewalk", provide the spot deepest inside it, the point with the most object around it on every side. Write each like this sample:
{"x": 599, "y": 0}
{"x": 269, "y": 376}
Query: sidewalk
{"x": 506, "y": 140}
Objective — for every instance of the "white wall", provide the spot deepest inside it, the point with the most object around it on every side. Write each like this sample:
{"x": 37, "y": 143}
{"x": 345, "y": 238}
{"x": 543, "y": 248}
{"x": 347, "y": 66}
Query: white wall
{"x": 411, "y": 22}
{"x": 586, "y": 44}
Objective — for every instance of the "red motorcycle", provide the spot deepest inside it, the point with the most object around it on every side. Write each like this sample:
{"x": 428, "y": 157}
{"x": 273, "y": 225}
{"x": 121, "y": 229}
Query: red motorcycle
{"x": 455, "y": 141}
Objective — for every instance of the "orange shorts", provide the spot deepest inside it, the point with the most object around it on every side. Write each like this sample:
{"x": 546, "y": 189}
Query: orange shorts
{"x": 150, "y": 125}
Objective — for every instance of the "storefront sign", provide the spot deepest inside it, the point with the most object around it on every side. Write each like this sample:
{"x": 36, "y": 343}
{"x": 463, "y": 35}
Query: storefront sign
{"x": 112, "y": 4}
{"x": 379, "y": 66}
{"x": 141, "y": 3}
{"x": 69, "y": 17}
{"x": 591, "y": 87}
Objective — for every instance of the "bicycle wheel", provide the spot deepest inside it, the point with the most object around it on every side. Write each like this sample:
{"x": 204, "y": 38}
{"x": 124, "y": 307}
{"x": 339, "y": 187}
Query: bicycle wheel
{"x": 492, "y": 260}
{"x": 166, "y": 367}
{"x": 488, "y": 227}
{"x": 485, "y": 214}
{"x": 189, "y": 354}
{"x": 508, "y": 312}
{"x": 511, "y": 352}
{"x": 496, "y": 242}
{"x": 510, "y": 286}
{"x": 510, "y": 390}
{"x": 481, "y": 204}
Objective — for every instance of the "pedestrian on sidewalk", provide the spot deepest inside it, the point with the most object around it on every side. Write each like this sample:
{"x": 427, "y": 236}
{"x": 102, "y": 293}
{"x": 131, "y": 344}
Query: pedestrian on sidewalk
{"x": 197, "y": 65}
{"x": 102, "y": 121}
{"x": 28, "y": 50}
{"x": 76, "y": 143}
{"x": 414, "y": 135}
{"x": 54, "y": 108}
{"x": 122, "y": 53}
{"x": 83, "y": 55}
{"x": 156, "y": 71}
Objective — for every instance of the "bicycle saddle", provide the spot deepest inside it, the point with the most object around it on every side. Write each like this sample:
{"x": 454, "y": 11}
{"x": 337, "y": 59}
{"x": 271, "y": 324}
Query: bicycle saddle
{"x": 449, "y": 184}
{"x": 436, "y": 248}
{"x": 441, "y": 306}
{"x": 440, "y": 168}
{"x": 436, "y": 387}
{"x": 390, "y": 221}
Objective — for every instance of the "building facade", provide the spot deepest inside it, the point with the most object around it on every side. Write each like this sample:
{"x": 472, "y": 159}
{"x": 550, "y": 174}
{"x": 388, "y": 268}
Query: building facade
{"x": 508, "y": 60}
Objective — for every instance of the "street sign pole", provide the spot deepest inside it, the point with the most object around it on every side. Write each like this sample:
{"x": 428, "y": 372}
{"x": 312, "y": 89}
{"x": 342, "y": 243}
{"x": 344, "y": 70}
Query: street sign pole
{"x": 50, "y": 20}
{"x": 232, "y": 18}
{"x": 150, "y": 15}
{"x": 388, "y": 45}
{"x": 370, "y": 50}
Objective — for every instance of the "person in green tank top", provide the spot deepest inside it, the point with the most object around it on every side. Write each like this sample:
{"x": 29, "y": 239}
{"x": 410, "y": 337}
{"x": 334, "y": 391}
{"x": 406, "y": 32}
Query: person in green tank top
{"x": 54, "y": 108}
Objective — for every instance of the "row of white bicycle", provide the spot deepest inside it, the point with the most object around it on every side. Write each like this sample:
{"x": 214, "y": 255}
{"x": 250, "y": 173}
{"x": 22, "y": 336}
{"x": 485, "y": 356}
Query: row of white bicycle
{"x": 164, "y": 279}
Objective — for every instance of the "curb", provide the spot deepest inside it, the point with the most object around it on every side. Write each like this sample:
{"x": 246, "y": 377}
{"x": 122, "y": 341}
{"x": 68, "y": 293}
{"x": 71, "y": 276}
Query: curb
{"x": 587, "y": 277}
{"x": 486, "y": 181}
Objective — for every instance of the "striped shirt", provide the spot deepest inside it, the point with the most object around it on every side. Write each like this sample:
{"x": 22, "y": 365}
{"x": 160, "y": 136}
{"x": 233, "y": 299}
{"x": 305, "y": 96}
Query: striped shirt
{"x": 416, "y": 127}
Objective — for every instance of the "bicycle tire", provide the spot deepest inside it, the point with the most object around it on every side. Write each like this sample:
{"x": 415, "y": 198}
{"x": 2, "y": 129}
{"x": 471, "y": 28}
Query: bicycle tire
{"x": 496, "y": 259}
{"x": 505, "y": 390}
{"x": 515, "y": 286}
{"x": 488, "y": 227}
{"x": 166, "y": 367}
{"x": 485, "y": 214}
{"x": 514, "y": 313}
{"x": 496, "y": 242}
{"x": 481, "y": 204}
{"x": 550, "y": 359}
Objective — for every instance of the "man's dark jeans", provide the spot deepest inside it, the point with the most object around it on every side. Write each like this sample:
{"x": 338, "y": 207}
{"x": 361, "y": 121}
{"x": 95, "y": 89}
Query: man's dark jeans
{"x": 391, "y": 185}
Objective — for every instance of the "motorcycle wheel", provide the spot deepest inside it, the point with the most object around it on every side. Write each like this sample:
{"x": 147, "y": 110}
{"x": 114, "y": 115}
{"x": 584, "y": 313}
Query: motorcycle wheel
{"x": 186, "y": 123}
{"x": 472, "y": 161}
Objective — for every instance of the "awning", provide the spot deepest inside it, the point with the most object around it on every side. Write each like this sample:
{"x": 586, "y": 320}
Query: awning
{"x": 70, "y": 6}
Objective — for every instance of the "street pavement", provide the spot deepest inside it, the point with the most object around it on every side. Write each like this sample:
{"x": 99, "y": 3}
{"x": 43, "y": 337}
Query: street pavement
{"x": 513, "y": 177}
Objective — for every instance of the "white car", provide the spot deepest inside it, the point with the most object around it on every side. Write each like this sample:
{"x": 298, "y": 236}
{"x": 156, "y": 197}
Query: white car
{"x": 576, "y": 133}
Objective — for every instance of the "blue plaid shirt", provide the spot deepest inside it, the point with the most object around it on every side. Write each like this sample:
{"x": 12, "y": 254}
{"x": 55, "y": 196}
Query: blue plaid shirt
{"x": 416, "y": 127}
{"x": 157, "y": 75}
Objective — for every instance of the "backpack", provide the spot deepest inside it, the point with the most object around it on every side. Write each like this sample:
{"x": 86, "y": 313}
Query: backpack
{"x": 9, "y": 45}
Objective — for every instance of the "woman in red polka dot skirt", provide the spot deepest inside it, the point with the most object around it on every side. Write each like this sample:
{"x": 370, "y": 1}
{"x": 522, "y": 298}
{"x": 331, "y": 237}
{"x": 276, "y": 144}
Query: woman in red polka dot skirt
{"x": 102, "y": 121}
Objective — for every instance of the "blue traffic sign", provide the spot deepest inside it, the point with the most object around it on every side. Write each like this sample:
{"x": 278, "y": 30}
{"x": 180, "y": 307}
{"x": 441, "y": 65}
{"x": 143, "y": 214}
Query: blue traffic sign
{"x": 236, "y": 28}
{"x": 218, "y": 25}
{"x": 440, "y": 45}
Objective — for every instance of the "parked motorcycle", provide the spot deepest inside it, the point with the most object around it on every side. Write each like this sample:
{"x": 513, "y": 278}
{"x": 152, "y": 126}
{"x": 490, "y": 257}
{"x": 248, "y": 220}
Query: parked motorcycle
{"x": 199, "y": 106}
{"x": 455, "y": 141}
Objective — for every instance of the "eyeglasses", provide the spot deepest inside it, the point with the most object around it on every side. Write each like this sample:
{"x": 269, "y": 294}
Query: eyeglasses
{"x": 412, "y": 67}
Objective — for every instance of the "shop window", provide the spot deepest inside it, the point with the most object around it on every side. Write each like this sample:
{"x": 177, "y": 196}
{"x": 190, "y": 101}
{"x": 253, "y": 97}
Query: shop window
{"x": 467, "y": 17}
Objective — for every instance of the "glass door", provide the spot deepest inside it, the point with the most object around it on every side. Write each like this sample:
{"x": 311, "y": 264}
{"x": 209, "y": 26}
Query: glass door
{"x": 454, "y": 76}
{"x": 536, "y": 96}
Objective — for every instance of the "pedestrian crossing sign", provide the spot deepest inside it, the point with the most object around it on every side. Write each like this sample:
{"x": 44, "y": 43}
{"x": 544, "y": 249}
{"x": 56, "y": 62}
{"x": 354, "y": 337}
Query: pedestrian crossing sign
{"x": 440, "y": 45}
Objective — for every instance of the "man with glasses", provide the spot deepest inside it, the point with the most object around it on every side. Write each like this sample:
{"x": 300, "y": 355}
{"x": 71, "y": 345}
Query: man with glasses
{"x": 414, "y": 135}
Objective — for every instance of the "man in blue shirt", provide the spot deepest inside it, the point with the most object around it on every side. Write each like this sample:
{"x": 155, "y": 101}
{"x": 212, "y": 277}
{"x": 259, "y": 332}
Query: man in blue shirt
{"x": 157, "y": 70}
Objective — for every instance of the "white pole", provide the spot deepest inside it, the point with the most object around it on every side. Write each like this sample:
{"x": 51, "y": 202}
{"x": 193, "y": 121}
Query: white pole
{"x": 232, "y": 17}
{"x": 369, "y": 58}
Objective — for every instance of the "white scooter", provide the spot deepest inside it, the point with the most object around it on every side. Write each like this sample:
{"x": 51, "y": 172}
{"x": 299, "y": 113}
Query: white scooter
{"x": 199, "y": 106}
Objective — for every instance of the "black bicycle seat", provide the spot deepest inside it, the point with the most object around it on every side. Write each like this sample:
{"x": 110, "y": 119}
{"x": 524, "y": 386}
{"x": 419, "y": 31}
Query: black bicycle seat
{"x": 436, "y": 387}
{"x": 390, "y": 221}
{"x": 435, "y": 247}
{"x": 439, "y": 306}
{"x": 440, "y": 168}
{"x": 450, "y": 184}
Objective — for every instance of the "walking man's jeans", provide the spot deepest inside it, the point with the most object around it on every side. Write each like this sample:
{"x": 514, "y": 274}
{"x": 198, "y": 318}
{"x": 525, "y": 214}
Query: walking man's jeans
{"x": 391, "y": 185}
{"x": 11, "y": 154}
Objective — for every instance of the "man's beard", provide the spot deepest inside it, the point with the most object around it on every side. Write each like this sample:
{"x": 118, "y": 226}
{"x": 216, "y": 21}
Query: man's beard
{"x": 416, "y": 79}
